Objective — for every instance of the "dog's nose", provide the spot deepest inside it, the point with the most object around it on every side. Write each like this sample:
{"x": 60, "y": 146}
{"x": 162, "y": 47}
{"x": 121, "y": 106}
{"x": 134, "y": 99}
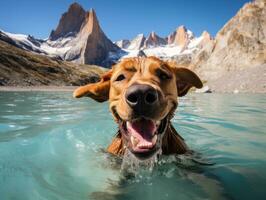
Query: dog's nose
{"x": 141, "y": 95}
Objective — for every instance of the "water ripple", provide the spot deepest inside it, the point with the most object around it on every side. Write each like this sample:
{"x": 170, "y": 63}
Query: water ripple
{"x": 50, "y": 149}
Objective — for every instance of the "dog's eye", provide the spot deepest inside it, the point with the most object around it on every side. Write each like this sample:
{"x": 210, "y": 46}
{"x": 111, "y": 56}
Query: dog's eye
{"x": 120, "y": 77}
{"x": 163, "y": 76}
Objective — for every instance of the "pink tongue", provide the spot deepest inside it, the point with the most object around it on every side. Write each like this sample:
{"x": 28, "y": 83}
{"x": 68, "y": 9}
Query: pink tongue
{"x": 142, "y": 129}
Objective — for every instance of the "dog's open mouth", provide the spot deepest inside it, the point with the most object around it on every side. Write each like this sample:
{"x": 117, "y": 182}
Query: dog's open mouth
{"x": 142, "y": 135}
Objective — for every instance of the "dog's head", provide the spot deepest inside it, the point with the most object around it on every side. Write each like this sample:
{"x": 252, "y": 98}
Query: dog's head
{"x": 143, "y": 96}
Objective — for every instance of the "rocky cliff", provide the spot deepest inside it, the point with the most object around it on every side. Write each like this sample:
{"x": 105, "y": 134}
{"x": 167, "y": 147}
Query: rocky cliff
{"x": 88, "y": 43}
{"x": 239, "y": 45}
{"x": 239, "y": 48}
{"x": 78, "y": 38}
{"x": 123, "y": 44}
{"x": 181, "y": 45}
{"x": 70, "y": 22}
{"x": 153, "y": 40}
{"x": 180, "y": 37}
{"x": 137, "y": 43}
{"x": 90, "y": 46}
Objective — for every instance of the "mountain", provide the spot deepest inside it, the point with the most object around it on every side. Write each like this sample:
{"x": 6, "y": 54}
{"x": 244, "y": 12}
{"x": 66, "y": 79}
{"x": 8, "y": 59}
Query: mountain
{"x": 154, "y": 40}
{"x": 77, "y": 38}
{"x": 239, "y": 50}
{"x": 22, "y": 68}
{"x": 70, "y": 22}
{"x": 180, "y": 37}
{"x": 123, "y": 44}
{"x": 81, "y": 38}
{"x": 181, "y": 45}
{"x": 25, "y": 42}
{"x": 90, "y": 45}
{"x": 137, "y": 43}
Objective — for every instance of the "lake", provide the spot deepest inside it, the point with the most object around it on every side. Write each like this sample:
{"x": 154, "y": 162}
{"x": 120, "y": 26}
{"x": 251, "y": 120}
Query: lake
{"x": 50, "y": 148}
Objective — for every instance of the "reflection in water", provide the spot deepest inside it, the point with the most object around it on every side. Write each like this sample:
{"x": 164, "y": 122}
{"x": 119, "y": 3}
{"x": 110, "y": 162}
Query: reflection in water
{"x": 51, "y": 148}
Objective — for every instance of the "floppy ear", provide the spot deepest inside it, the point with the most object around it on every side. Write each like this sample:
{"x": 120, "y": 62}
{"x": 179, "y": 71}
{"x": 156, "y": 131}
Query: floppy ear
{"x": 98, "y": 91}
{"x": 185, "y": 79}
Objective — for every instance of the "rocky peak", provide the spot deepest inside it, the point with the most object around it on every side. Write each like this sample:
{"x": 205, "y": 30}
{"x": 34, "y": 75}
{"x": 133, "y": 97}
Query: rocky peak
{"x": 90, "y": 46}
{"x": 205, "y": 39}
{"x": 206, "y": 35}
{"x": 70, "y": 22}
{"x": 179, "y": 37}
{"x": 138, "y": 42}
{"x": 123, "y": 43}
{"x": 154, "y": 40}
{"x": 153, "y": 36}
{"x": 93, "y": 22}
{"x": 90, "y": 24}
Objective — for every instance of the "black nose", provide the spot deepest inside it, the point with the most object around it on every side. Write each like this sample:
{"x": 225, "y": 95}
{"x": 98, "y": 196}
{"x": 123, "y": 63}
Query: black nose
{"x": 141, "y": 96}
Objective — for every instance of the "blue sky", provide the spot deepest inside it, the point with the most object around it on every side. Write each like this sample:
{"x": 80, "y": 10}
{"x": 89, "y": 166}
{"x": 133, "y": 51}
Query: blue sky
{"x": 121, "y": 19}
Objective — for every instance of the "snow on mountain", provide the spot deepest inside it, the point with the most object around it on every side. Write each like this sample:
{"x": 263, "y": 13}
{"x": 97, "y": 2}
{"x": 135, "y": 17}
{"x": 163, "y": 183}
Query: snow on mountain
{"x": 153, "y": 40}
{"x": 57, "y": 48}
{"x": 29, "y": 43}
{"x": 180, "y": 43}
{"x": 77, "y": 38}
{"x": 123, "y": 44}
{"x": 80, "y": 39}
{"x": 137, "y": 43}
{"x": 25, "y": 42}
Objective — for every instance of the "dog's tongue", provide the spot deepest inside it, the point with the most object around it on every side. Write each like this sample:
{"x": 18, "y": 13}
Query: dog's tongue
{"x": 143, "y": 130}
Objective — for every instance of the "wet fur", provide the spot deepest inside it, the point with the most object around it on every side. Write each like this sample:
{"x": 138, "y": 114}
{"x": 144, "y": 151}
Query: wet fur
{"x": 143, "y": 70}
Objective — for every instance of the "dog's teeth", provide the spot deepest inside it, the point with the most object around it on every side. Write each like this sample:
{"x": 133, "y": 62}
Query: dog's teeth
{"x": 154, "y": 139}
{"x": 134, "y": 141}
{"x": 145, "y": 145}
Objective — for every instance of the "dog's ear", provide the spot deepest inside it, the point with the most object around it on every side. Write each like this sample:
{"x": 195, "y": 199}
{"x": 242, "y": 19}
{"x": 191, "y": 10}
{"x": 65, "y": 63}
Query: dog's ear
{"x": 185, "y": 79}
{"x": 98, "y": 91}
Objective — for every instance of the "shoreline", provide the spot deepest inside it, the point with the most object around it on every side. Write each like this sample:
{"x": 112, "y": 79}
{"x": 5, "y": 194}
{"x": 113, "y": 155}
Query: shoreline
{"x": 38, "y": 88}
{"x": 72, "y": 88}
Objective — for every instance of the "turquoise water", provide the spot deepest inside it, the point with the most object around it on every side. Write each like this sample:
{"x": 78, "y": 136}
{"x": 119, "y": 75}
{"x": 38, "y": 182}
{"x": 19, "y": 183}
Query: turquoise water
{"x": 50, "y": 148}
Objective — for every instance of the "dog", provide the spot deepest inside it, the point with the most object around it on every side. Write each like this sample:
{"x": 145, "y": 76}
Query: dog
{"x": 143, "y": 96}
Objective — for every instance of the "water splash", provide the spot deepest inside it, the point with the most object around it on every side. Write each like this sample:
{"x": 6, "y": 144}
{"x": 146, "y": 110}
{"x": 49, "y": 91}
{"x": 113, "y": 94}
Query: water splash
{"x": 132, "y": 165}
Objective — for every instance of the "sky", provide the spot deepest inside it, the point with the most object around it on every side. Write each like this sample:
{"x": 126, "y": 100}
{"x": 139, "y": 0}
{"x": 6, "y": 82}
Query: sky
{"x": 121, "y": 19}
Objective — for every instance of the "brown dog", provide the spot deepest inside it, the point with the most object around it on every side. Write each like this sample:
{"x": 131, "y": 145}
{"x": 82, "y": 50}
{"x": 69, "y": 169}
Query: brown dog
{"x": 143, "y": 97}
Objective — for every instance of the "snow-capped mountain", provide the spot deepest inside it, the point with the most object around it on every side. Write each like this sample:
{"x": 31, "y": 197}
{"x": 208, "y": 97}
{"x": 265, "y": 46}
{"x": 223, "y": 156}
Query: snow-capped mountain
{"x": 237, "y": 54}
{"x": 137, "y": 43}
{"x": 154, "y": 40}
{"x": 80, "y": 39}
{"x": 25, "y": 42}
{"x": 179, "y": 45}
{"x": 77, "y": 38}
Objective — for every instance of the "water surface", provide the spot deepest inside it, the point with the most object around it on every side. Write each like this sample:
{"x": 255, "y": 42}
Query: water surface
{"x": 50, "y": 148}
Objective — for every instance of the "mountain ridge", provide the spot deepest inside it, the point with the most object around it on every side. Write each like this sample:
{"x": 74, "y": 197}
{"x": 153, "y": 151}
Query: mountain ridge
{"x": 78, "y": 37}
{"x": 238, "y": 47}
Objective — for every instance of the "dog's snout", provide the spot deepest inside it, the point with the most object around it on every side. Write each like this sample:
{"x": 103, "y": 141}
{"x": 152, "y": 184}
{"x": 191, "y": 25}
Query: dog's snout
{"x": 141, "y": 95}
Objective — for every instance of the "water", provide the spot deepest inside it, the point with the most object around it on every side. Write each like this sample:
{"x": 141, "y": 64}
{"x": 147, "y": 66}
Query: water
{"x": 50, "y": 148}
